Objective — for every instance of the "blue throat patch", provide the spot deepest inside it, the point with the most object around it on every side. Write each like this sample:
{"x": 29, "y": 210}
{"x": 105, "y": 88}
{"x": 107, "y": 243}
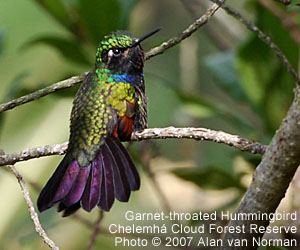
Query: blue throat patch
{"x": 124, "y": 78}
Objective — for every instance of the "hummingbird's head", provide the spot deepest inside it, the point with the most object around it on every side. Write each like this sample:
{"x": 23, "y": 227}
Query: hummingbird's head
{"x": 122, "y": 53}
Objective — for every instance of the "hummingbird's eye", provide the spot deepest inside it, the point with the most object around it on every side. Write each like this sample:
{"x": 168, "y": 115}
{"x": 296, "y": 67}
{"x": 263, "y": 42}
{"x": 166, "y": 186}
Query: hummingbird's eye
{"x": 117, "y": 52}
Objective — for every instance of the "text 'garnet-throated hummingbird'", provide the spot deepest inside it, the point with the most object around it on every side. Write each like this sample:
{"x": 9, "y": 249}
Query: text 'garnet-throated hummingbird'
{"x": 109, "y": 105}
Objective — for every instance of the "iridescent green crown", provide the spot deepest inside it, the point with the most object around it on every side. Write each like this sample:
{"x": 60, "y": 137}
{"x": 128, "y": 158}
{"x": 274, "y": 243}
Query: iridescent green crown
{"x": 119, "y": 39}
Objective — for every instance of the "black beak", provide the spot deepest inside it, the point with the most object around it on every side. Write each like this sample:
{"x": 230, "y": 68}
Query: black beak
{"x": 142, "y": 38}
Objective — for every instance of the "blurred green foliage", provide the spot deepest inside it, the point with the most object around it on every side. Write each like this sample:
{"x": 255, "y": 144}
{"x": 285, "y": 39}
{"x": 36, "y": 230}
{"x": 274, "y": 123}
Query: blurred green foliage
{"x": 244, "y": 90}
{"x": 294, "y": 3}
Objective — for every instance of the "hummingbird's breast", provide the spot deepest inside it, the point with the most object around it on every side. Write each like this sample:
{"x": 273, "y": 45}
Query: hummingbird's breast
{"x": 99, "y": 106}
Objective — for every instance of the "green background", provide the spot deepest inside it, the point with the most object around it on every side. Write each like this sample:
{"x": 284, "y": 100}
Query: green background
{"x": 222, "y": 77}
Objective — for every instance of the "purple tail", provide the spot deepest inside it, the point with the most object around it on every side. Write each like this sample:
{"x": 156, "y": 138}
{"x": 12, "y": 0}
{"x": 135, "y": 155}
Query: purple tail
{"x": 112, "y": 174}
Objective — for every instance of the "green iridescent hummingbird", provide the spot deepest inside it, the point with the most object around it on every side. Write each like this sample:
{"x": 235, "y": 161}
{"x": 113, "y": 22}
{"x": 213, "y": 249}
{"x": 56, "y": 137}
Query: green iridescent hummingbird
{"x": 109, "y": 105}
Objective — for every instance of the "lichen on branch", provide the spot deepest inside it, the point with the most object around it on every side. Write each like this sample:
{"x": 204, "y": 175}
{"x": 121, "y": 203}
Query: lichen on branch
{"x": 147, "y": 134}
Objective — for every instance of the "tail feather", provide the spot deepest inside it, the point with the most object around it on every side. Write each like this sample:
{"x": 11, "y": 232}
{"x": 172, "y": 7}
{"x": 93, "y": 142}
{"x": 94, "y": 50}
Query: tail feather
{"x": 121, "y": 185}
{"x": 59, "y": 185}
{"x": 107, "y": 196}
{"x": 131, "y": 171}
{"x": 91, "y": 195}
{"x": 112, "y": 174}
{"x": 79, "y": 185}
{"x": 68, "y": 210}
{"x": 67, "y": 181}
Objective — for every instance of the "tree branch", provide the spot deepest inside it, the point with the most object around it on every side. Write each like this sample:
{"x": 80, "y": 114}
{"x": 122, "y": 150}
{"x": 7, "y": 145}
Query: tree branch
{"x": 216, "y": 37}
{"x": 184, "y": 34}
{"x": 38, "y": 227}
{"x": 201, "y": 134}
{"x": 147, "y": 134}
{"x": 42, "y": 92}
{"x": 262, "y": 36}
{"x": 31, "y": 153}
{"x": 96, "y": 231}
{"x": 272, "y": 176}
{"x": 146, "y": 156}
{"x": 76, "y": 79}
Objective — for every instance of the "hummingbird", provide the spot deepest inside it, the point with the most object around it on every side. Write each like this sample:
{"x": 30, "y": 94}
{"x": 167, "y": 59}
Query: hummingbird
{"x": 109, "y": 105}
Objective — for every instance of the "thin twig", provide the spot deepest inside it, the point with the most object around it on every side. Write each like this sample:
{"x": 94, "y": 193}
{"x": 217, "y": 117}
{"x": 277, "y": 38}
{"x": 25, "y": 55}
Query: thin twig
{"x": 42, "y": 92}
{"x": 166, "y": 205}
{"x": 38, "y": 227}
{"x": 147, "y": 134}
{"x": 262, "y": 36}
{"x": 159, "y": 191}
{"x": 76, "y": 79}
{"x": 96, "y": 231}
{"x": 184, "y": 34}
{"x": 146, "y": 157}
{"x": 54, "y": 149}
{"x": 217, "y": 38}
{"x": 88, "y": 224}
